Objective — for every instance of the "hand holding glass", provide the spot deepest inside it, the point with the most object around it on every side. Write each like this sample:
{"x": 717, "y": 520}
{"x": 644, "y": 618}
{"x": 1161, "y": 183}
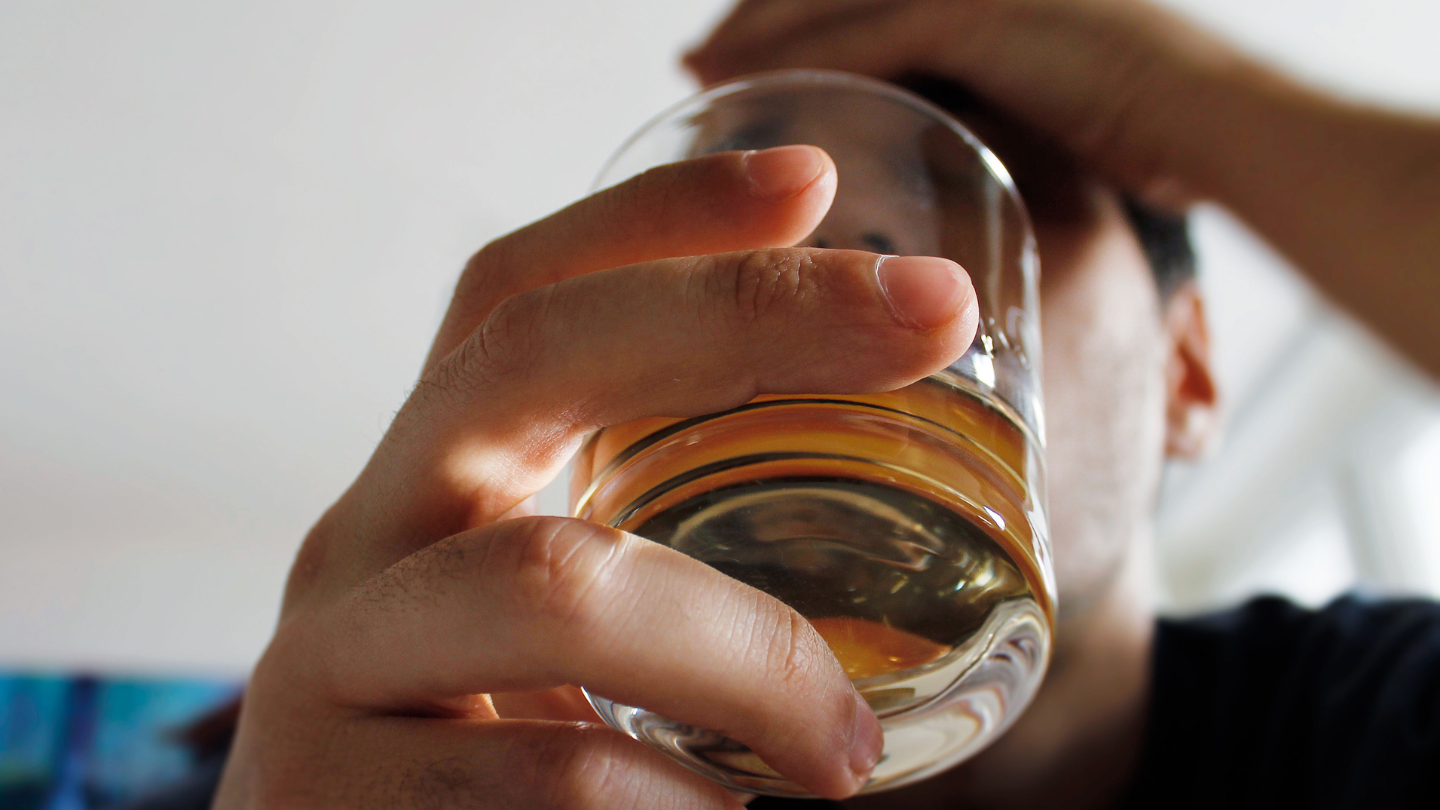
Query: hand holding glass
{"x": 908, "y": 527}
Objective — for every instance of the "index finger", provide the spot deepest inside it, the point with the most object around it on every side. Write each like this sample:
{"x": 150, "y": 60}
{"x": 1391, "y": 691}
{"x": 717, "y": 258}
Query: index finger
{"x": 714, "y": 204}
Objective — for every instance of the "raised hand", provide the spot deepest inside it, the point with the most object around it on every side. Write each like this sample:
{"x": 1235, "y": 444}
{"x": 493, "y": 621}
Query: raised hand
{"x": 1350, "y": 192}
{"x": 430, "y": 641}
{"x": 1097, "y": 75}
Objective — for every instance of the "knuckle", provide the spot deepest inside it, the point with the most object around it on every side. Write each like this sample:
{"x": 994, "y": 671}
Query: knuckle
{"x": 416, "y": 580}
{"x": 762, "y": 284}
{"x": 509, "y": 343}
{"x": 792, "y": 650}
{"x": 564, "y": 571}
{"x": 510, "y": 338}
{"x": 800, "y": 666}
{"x": 479, "y": 273}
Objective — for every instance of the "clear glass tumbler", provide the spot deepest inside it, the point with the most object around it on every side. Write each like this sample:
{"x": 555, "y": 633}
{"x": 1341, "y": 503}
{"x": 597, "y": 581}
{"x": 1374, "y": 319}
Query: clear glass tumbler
{"x": 909, "y": 527}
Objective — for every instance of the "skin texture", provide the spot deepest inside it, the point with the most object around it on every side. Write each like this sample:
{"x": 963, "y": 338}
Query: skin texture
{"x": 430, "y": 635}
{"x": 420, "y": 603}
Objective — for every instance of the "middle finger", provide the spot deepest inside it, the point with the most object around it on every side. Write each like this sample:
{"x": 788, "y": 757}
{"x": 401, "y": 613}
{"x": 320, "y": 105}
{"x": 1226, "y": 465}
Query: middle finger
{"x": 712, "y": 204}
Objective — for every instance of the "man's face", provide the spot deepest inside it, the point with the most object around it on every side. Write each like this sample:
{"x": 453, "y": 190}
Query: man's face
{"x": 1104, "y": 342}
{"x": 1106, "y": 357}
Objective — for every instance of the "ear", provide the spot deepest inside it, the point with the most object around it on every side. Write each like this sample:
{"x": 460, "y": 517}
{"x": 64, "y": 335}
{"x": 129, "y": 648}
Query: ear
{"x": 1192, "y": 412}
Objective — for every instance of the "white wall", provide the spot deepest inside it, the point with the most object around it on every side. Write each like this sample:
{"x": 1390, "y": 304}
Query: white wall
{"x": 1322, "y": 483}
{"x": 228, "y": 231}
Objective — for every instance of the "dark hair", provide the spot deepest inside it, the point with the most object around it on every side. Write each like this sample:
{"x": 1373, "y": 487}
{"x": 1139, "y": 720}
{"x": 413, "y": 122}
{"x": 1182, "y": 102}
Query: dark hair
{"x": 1163, "y": 236}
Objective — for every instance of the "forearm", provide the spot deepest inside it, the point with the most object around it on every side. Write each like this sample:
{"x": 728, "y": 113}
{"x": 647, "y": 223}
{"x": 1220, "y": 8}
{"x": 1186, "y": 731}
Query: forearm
{"x": 1350, "y": 194}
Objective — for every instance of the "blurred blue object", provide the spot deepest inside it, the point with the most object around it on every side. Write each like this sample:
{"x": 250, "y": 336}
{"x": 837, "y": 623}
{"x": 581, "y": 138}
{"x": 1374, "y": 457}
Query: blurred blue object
{"x": 84, "y": 743}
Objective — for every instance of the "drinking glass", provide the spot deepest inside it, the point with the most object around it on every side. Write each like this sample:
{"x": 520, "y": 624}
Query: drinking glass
{"x": 908, "y": 527}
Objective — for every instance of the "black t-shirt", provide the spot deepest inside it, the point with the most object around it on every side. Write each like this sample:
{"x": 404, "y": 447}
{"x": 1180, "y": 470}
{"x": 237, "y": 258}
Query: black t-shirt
{"x": 1271, "y": 705}
{"x": 1265, "y": 706}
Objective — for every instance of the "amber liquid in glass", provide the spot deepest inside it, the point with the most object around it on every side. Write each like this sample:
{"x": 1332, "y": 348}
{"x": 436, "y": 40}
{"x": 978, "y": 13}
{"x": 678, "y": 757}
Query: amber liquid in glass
{"x": 905, "y": 526}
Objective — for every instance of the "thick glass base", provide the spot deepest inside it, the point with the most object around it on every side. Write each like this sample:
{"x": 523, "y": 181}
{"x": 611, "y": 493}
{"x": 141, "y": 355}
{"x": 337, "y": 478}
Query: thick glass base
{"x": 933, "y": 621}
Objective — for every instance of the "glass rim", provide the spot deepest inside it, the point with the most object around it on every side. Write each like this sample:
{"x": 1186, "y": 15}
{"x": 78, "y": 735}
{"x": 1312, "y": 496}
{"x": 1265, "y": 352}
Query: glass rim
{"x": 817, "y": 77}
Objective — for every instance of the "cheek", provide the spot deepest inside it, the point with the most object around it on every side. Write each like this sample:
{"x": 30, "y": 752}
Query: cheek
{"x": 1104, "y": 403}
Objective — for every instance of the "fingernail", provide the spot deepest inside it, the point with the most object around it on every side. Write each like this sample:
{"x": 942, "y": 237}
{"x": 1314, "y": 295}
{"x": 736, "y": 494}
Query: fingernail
{"x": 866, "y": 742}
{"x": 923, "y": 292}
{"x": 781, "y": 172}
